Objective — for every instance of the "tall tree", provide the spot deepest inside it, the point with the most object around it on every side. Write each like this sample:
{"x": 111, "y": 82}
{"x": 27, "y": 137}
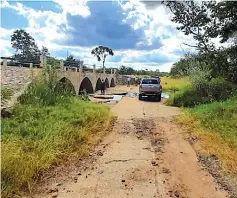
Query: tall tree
{"x": 25, "y": 45}
{"x": 226, "y": 12}
{"x": 101, "y": 53}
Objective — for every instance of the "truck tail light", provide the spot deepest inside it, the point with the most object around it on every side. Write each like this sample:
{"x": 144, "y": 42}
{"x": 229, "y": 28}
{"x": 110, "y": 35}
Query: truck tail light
{"x": 140, "y": 86}
{"x": 160, "y": 86}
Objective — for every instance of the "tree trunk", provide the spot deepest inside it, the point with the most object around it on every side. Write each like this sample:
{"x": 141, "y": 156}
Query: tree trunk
{"x": 104, "y": 68}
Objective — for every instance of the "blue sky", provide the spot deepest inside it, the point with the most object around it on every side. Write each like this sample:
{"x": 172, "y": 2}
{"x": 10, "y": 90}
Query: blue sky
{"x": 140, "y": 33}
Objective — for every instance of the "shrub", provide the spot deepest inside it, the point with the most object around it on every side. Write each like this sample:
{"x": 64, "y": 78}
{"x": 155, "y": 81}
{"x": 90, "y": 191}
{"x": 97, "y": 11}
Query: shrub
{"x": 46, "y": 90}
{"x": 220, "y": 89}
{"x": 217, "y": 89}
{"x": 187, "y": 97}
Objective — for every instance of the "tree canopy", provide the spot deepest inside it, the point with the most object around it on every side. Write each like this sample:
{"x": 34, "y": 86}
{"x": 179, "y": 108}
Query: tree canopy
{"x": 205, "y": 20}
{"x": 25, "y": 45}
{"x": 101, "y": 52}
{"x": 123, "y": 70}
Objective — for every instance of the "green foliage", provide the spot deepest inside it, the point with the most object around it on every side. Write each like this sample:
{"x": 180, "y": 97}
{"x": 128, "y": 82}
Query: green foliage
{"x": 220, "y": 89}
{"x": 123, "y": 70}
{"x": 38, "y": 136}
{"x": 25, "y": 46}
{"x": 46, "y": 90}
{"x": 204, "y": 20}
{"x": 220, "y": 117}
{"x": 187, "y": 97}
{"x": 202, "y": 92}
{"x": 53, "y": 62}
{"x": 6, "y": 93}
{"x": 101, "y": 52}
{"x": 71, "y": 61}
{"x": 49, "y": 125}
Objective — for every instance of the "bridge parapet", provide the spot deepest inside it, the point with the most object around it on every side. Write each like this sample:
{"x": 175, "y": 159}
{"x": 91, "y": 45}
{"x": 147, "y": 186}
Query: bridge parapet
{"x": 88, "y": 78}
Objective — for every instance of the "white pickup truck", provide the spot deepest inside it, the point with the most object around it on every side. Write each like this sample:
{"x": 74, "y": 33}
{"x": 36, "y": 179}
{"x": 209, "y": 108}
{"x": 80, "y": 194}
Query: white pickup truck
{"x": 150, "y": 87}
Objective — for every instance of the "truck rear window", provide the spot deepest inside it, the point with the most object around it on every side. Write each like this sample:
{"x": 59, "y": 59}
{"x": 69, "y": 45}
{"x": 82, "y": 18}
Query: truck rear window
{"x": 149, "y": 81}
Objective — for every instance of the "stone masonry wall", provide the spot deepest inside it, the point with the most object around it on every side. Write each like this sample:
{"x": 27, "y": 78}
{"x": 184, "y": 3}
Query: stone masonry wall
{"x": 14, "y": 78}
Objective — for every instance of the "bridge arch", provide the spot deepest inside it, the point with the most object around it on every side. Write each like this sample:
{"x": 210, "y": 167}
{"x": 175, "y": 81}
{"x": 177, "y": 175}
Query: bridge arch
{"x": 112, "y": 84}
{"x": 106, "y": 83}
{"x": 86, "y": 85}
{"x": 98, "y": 84}
{"x": 64, "y": 85}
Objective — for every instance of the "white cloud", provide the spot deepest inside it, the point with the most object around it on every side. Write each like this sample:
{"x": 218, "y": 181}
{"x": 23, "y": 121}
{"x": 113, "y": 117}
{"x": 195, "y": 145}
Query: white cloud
{"x": 5, "y": 33}
{"x": 157, "y": 26}
{"x": 44, "y": 26}
{"x": 5, "y": 47}
{"x": 74, "y": 7}
{"x": 47, "y": 27}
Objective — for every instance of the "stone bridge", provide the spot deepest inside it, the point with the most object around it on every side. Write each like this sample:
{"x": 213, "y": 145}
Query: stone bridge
{"x": 80, "y": 80}
{"x": 89, "y": 81}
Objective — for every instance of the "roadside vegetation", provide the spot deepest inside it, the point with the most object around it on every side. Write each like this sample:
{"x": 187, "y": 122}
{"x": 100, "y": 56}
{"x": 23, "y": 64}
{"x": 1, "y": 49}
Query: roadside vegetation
{"x": 215, "y": 126}
{"x": 6, "y": 93}
{"x": 210, "y": 92}
{"x": 48, "y": 126}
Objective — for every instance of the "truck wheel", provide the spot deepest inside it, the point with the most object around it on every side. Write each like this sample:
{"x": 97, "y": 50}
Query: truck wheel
{"x": 140, "y": 97}
{"x": 158, "y": 98}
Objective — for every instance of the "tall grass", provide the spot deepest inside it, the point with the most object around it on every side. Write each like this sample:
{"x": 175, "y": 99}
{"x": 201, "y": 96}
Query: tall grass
{"x": 215, "y": 125}
{"x": 220, "y": 117}
{"x": 45, "y": 89}
{"x": 47, "y": 127}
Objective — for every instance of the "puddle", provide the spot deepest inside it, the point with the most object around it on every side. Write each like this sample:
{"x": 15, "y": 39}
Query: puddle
{"x": 164, "y": 95}
{"x": 117, "y": 98}
{"x": 131, "y": 94}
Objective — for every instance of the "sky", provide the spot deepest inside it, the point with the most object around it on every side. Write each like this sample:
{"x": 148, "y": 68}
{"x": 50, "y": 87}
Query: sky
{"x": 140, "y": 33}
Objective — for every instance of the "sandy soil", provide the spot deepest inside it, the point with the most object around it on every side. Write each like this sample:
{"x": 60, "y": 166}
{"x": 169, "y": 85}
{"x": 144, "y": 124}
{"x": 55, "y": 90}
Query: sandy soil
{"x": 144, "y": 156}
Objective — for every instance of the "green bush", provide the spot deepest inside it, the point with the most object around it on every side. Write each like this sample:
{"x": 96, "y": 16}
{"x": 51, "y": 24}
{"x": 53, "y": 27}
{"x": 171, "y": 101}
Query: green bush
{"x": 187, "y": 97}
{"x": 217, "y": 89}
{"x": 220, "y": 89}
{"x": 46, "y": 89}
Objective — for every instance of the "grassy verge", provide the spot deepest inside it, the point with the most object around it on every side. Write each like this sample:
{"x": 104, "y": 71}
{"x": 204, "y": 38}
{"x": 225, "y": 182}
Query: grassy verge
{"x": 48, "y": 126}
{"x": 37, "y": 137}
{"x": 215, "y": 126}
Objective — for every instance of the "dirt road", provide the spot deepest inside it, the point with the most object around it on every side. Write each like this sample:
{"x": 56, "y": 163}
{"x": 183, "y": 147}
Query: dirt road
{"x": 144, "y": 156}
